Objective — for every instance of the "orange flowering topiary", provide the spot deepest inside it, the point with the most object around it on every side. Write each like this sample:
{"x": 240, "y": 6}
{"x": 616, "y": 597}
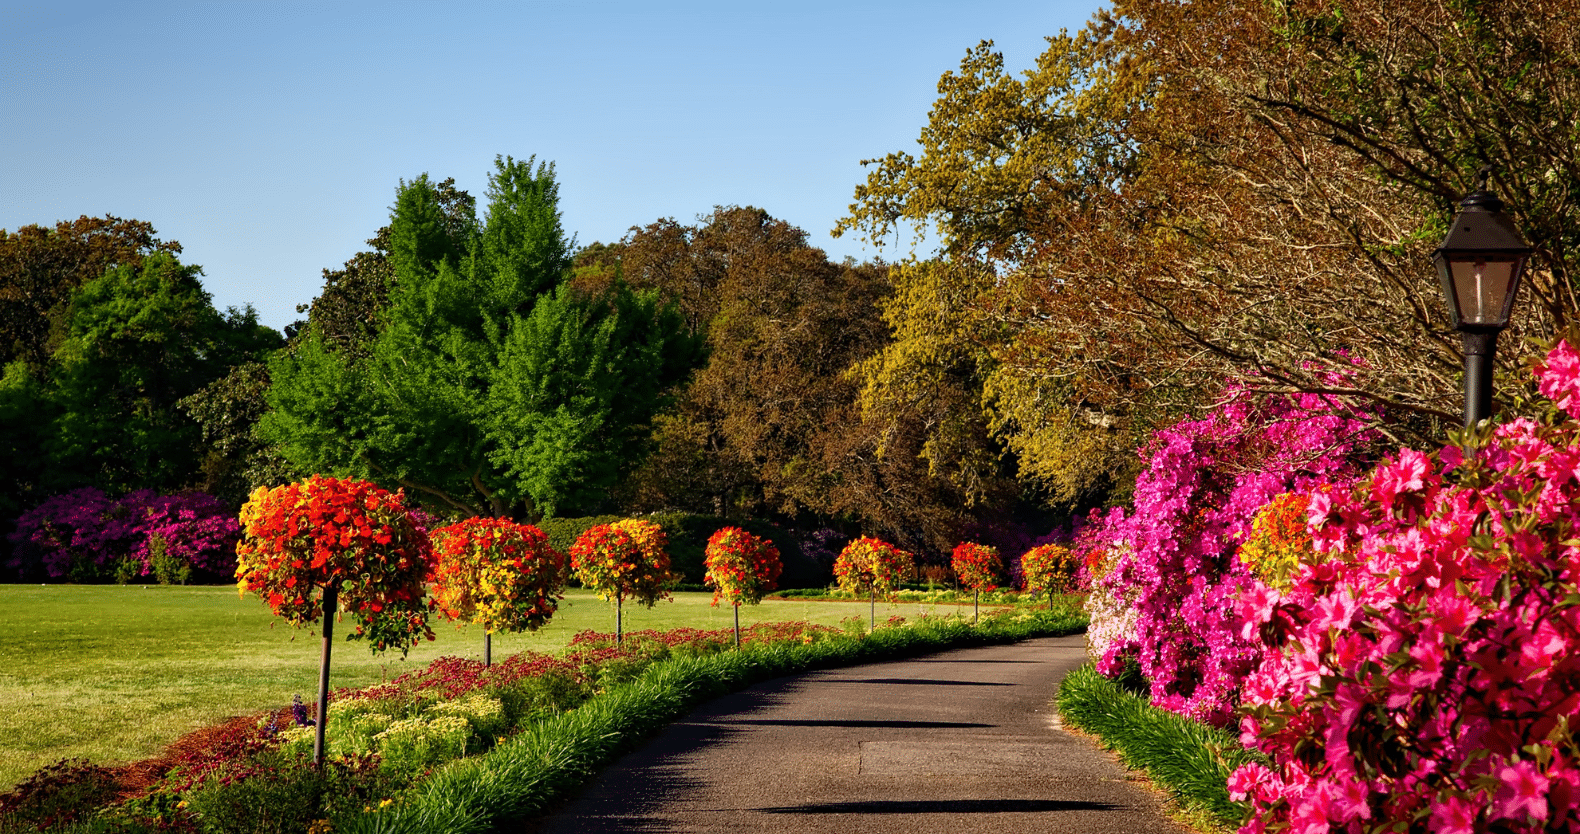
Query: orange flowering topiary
{"x": 347, "y": 536}
{"x": 1049, "y": 567}
{"x": 868, "y": 560}
{"x": 624, "y": 560}
{"x": 741, "y": 567}
{"x": 977, "y": 566}
{"x": 498, "y": 574}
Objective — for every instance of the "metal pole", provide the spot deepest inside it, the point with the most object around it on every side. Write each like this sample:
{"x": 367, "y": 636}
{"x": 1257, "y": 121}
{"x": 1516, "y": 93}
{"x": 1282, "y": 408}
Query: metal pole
{"x": 331, "y": 594}
{"x": 872, "y": 613}
{"x": 619, "y": 632}
{"x": 1479, "y": 350}
{"x": 976, "y": 604}
{"x": 737, "y": 625}
{"x": 488, "y": 648}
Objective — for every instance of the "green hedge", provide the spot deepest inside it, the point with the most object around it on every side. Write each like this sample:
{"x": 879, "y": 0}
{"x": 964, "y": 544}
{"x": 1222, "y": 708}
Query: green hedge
{"x": 1190, "y": 760}
{"x": 522, "y": 777}
{"x": 688, "y": 539}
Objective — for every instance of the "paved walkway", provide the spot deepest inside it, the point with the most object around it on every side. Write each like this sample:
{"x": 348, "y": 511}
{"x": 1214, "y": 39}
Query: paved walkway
{"x": 959, "y": 742}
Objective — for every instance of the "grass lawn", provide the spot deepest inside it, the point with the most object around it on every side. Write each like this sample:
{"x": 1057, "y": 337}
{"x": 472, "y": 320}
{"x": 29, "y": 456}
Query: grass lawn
{"x": 114, "y": 673}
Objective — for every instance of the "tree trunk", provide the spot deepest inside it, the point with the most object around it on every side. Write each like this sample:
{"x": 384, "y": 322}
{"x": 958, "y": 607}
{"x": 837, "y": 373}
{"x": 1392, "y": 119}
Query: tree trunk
{"x": 331, "y": 597}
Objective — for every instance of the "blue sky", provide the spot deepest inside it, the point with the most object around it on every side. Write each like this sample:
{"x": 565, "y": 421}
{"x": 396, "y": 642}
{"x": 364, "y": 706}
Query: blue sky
{"x": 269, "y": 138}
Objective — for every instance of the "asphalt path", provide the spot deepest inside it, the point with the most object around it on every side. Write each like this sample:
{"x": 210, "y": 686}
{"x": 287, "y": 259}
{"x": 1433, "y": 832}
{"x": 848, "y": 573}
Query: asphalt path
{"x": 962, "y": 741}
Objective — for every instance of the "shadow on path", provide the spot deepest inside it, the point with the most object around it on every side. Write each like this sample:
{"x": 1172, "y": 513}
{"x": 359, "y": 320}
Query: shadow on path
{"x": 853, "y": 722}
{"x": 923, "y": 682}
{"x": 945, "y": 806}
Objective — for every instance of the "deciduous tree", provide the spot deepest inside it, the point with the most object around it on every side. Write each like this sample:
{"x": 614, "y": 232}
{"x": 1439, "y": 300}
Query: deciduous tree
{"x": 40, "y": 269}
{"x": 491, "y": 388}
{"x": 138, "y": 340}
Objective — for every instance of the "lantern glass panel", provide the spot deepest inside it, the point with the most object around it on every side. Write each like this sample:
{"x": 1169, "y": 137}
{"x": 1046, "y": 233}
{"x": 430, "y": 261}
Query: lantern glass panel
{"x": 1481, "y": 287}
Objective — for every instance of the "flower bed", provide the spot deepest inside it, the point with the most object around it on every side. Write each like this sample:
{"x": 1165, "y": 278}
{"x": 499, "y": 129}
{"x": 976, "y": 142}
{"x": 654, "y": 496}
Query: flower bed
{"x": 387, "y": 742}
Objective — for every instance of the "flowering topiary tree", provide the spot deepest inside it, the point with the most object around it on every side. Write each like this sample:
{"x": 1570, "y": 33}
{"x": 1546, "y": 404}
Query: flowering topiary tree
{"x": 323, "y": 544}
{"x": 1049, "y": 568}
{"x": 873, "y": 564}
{"x": 624, "y": 560}
{"x": 978, "y": 567}
{"x": 1426, "y": 675}
{"x": 498, "y": 574}
{"x": 741, "y": 568}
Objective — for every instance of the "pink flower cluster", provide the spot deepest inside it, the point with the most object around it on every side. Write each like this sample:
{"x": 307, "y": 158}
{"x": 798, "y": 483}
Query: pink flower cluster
{"x": 1425, "y": 675}
{"x": 1173, "y": 557}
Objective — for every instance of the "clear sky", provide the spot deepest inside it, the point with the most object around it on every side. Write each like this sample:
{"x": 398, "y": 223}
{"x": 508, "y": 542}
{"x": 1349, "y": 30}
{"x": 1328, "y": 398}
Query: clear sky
{"x": 268, "y": 138}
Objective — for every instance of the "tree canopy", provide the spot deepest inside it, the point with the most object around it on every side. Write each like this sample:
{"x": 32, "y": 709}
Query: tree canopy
{"x": 41, "y": 268}
{"x": 491, "y": 387}
{"x": 1180, "y": 193}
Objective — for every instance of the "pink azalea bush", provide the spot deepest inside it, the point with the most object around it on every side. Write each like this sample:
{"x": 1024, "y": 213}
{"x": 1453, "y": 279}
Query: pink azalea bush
{"x": 1170, "y": 563}
{"x": 1425, "y": 676}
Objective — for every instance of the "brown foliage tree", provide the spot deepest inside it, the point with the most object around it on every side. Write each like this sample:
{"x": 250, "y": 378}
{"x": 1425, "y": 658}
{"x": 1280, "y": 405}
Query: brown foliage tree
{"x": 1187, "y": 191}
{"x": 774, "y": 422}
{"x": 40, "y": 268}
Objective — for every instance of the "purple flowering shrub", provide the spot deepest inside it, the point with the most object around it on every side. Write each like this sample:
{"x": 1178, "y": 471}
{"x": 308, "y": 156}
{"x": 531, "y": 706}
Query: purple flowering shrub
{"x": 85, "y": 536}
{"x": 196, "y": 529}
{"x": 1170, "y": 563}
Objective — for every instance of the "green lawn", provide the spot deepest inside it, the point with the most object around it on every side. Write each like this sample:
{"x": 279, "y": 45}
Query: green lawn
{"x": 114, "y": 673}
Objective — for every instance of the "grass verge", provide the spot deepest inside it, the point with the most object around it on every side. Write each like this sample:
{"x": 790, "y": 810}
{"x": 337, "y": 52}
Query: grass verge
{"x": 522, "y": 777}
{"x": 1190, "y": 760}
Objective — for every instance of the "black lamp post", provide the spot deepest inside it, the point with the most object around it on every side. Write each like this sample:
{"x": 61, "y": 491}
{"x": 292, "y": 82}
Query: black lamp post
{"x": 1481, "y": 263}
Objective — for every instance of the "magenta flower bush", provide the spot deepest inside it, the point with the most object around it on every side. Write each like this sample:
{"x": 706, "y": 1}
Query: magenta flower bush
{"x": 85, "y": 536}
{"x": 1425, "y": 676}
{"x": 1170, "y": 563}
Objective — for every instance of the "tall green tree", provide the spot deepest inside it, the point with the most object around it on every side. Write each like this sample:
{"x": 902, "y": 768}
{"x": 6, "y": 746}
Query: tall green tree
{"x": 137, "y": 341}
{"x": 41, "y": 268}
{"x": 490, "y": 388}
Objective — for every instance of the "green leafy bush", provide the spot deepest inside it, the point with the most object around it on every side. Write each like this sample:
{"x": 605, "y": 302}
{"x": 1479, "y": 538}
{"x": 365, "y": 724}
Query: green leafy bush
{"x": 1189, "y": 759}
{"x": 283, "y": 794}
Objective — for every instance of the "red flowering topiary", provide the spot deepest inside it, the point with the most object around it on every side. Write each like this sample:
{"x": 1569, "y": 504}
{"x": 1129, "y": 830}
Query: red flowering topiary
{"x": 345, "y": 535}
{"x": 624, "y": 560}
{"x": 741, "y": 567}
{"x": 1049, "y": 567}
{"x": 311, "y": 547}
{"x": 867, "y": 560}
{"x": 977, "y": 566}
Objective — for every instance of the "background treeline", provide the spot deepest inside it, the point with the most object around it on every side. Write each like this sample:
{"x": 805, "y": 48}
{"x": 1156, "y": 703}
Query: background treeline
{"x": 1173, "y": 196}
